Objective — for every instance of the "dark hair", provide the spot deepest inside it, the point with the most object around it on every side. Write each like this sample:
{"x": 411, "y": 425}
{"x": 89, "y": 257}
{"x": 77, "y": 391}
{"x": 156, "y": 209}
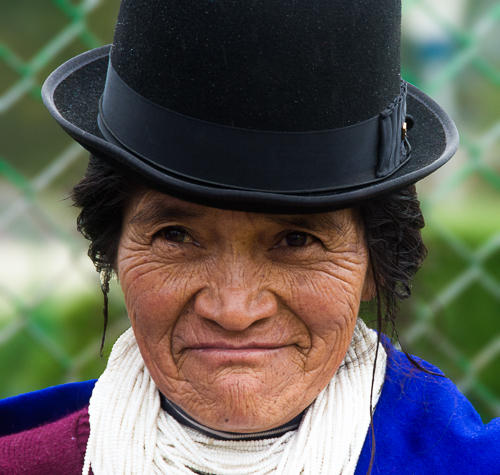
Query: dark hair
{"x": 102, "y": 196}
{"x": 392, "y": 228}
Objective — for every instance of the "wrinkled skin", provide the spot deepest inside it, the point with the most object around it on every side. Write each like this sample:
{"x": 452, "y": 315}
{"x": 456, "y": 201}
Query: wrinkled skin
{"x": 241, "y": 318}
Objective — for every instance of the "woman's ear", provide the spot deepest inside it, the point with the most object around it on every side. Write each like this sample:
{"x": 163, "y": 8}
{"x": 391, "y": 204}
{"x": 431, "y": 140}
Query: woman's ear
{"x": 369, "y": 289}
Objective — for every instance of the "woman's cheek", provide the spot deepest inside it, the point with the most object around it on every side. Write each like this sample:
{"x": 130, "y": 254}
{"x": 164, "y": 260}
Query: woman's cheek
{"x": 324, "y": 290}
{"x": 156, "y": 295}
{"x": 327, "y": 302}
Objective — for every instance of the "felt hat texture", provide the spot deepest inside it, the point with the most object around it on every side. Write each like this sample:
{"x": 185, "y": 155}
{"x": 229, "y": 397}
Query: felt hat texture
{"x": 265, "y": 105}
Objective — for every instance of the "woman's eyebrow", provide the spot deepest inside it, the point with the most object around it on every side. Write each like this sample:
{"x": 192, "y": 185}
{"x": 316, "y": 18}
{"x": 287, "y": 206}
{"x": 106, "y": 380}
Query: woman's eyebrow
{"x": 158, "y": 212}
{"x": 313, "y": 223}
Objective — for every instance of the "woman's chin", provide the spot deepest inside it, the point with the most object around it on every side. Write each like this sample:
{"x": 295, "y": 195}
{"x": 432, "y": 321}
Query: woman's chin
{"x": 241, "y": 402}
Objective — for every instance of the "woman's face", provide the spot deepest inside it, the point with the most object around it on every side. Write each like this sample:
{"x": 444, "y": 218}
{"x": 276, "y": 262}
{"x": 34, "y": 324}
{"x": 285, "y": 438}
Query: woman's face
{"x": 241, "y": 318}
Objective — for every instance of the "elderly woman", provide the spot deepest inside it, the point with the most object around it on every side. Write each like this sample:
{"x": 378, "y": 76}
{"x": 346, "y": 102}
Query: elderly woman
{"x": 250, "y": 184}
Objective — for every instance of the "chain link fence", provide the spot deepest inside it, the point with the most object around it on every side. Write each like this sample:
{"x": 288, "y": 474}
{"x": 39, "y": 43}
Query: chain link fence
{"x": 50, "y": 304}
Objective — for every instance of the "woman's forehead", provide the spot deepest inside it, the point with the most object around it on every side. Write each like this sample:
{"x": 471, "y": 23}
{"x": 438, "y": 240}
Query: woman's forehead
{"x": 152, "y": 207}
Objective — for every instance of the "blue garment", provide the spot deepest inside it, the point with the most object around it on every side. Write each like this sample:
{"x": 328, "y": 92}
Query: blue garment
{"x": 423, "y": 424}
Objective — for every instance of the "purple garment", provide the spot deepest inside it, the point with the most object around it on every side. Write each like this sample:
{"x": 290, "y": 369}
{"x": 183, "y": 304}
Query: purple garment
{"x": 56, "y": 448}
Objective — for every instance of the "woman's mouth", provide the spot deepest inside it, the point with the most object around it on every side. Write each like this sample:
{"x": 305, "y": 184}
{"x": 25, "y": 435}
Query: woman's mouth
{"x": 230, "y": 353}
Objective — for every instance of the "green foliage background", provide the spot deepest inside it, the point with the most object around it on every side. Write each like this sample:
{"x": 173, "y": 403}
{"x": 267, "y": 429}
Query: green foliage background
{"x": 50, "y": 302}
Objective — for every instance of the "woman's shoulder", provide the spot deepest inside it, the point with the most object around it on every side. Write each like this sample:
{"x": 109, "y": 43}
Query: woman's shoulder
{"x": 424, "y": 424}
{"x": 45, "y": 431}
{"x": 30, "y": 410}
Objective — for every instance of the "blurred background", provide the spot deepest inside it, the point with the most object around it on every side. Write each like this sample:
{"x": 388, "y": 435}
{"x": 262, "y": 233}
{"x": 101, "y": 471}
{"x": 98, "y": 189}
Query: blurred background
{"x": 50, "y": 300}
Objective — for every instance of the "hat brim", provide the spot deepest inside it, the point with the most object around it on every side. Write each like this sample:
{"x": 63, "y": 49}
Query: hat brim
{"x": 72, "y": 93}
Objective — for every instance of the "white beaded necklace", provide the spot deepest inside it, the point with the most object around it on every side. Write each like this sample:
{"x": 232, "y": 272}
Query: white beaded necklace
{"x": 131, "y": 434}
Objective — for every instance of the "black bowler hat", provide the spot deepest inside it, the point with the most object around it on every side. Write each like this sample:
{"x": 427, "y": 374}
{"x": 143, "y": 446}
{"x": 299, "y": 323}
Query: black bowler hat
{"x": 266, "y": 105}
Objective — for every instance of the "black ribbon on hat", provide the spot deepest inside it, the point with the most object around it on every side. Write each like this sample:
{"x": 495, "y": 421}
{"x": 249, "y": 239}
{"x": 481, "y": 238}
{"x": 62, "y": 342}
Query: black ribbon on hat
{"x": 256, "y": 160}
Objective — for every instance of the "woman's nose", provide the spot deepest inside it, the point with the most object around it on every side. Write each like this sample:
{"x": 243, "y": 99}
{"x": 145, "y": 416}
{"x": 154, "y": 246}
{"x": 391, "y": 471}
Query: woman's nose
{"x": 235, "y": 309}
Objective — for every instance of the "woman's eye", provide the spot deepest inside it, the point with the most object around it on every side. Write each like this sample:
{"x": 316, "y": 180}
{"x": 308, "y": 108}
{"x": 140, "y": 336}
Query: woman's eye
{"x": 296, "y": 239}
{"x": 175, "y": 234}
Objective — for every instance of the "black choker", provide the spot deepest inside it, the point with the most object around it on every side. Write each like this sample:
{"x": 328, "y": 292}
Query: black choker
{"x": 180, "y": 416}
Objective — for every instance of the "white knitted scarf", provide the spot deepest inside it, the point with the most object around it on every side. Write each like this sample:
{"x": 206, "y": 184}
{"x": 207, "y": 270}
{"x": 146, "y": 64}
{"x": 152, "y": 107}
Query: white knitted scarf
{"x": 131, "y": 434}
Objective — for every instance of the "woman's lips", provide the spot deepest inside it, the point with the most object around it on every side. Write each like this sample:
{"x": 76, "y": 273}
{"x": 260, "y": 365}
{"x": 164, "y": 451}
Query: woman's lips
{"x": 236, "y": 347}
{"x": 223, "y": 352}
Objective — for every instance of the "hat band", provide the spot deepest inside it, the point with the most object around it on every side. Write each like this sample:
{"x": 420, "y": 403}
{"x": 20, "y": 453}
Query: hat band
{"x": 254, "y": 160}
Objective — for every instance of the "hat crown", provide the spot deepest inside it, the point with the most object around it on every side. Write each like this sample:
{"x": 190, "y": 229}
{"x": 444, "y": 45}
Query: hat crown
{"x": 290, "y": 65}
